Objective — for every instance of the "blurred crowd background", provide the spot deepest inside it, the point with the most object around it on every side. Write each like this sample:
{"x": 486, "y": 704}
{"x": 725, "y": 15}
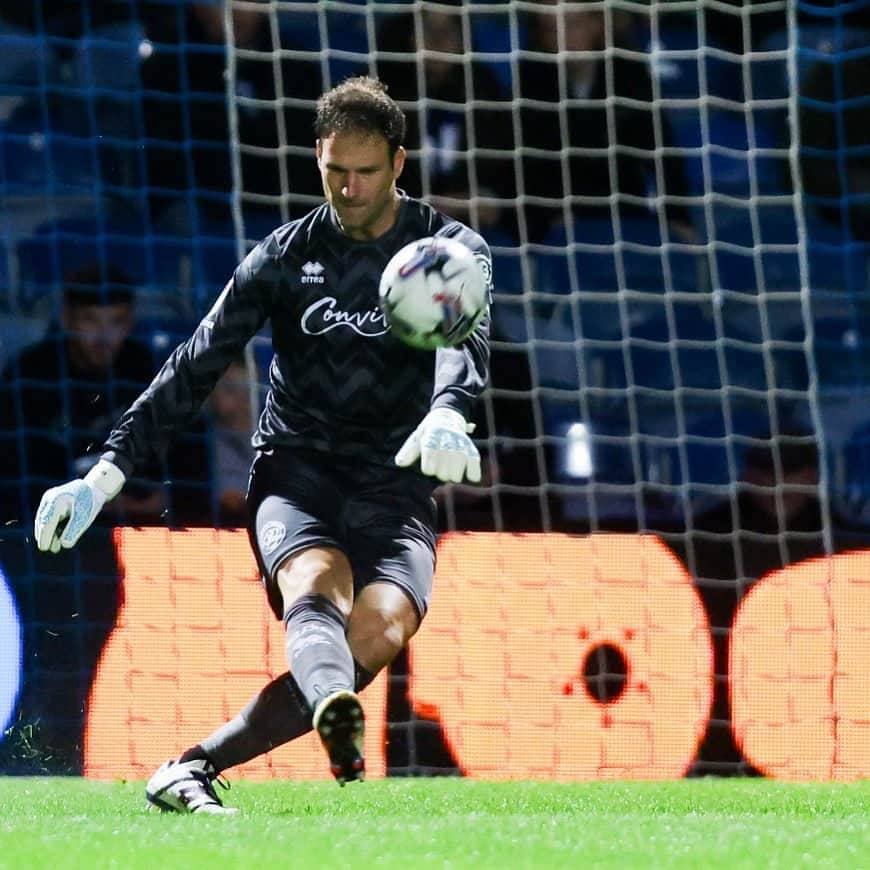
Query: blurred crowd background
{"x": 678, "y": 201}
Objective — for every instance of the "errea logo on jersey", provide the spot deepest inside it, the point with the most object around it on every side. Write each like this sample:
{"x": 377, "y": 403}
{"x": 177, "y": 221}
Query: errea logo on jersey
{"x": 312, "y": 273}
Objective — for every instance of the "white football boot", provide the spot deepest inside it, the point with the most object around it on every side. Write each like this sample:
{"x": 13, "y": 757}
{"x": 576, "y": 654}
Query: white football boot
{"x": 186, "y": 787}
{"x": 340, "y": 722}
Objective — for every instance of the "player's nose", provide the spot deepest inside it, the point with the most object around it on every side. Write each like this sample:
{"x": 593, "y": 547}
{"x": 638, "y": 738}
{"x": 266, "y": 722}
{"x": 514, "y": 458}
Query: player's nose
{"x": 350, "y": 188}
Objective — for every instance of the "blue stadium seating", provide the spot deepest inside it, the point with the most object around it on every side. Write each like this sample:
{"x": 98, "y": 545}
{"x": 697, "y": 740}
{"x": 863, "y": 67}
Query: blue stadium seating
{"x": 346, "y": 44}
{"x": 728, "y": 153}
{"x": 491, "y": 34}
{"x": 678, "y": 55}
{"x": 839, "y": 352}
{"x": 835, "y": 262}
{"x": 601, "y": 251}
{"x": 851, "y": 479}
{"x": 17, "y": 332}
{"x": 816, "y": 42}
{"x": 25, "y": 60}
{"x": 34, "y": 158}
{"x": 674, "y": 441}
{"x": 122, "y": 240}
{"x": 163, "y": 334}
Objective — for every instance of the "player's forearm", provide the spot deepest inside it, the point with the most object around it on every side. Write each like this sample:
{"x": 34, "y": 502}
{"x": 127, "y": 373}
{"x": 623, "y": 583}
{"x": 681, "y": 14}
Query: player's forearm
{"x": 461, "y": 373}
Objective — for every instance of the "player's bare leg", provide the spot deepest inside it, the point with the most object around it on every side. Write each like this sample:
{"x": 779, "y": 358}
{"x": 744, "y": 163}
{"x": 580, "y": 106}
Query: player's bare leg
{"x": 381, "y": 623}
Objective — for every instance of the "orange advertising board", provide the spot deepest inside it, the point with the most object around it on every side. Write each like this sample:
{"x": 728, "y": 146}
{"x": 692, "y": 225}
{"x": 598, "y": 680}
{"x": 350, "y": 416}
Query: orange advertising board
{"x": 800, "y": 670}
{"x": 194, "y": 641}
{"x": 520, "y": 628}
{"x": 502, "y": 652}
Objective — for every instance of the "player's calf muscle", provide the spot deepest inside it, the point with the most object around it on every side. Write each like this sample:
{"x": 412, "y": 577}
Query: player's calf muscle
{"x": 381, "y": 624}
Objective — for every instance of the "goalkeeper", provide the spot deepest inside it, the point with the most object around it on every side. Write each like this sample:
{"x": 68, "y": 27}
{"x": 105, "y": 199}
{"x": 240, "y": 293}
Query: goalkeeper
{"x": 342, "y": 521}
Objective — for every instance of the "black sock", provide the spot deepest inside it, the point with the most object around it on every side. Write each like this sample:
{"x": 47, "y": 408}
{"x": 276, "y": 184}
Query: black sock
{"x": 275, "y": 716}
{"x": 317, "y": 649}
{"x": 195, "y": 753}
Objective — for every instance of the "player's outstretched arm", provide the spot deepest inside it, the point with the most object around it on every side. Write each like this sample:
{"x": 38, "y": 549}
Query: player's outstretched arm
{"x": 442, "y": 445}
{"x": 66, "y": 512}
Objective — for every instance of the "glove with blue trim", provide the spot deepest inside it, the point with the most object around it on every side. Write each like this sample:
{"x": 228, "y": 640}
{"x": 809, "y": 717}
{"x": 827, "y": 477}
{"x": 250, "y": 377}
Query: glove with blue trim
{"x": 66, "y": 512}
{"x": 442, "y": 445}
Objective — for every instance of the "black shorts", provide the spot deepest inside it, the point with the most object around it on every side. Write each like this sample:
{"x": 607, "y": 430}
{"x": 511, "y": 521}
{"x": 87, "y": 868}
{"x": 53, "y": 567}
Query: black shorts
{"x": 382, "y": 519}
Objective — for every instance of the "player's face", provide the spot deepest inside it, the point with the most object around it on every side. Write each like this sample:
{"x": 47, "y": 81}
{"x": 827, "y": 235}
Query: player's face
{"x": 359, "y": 182}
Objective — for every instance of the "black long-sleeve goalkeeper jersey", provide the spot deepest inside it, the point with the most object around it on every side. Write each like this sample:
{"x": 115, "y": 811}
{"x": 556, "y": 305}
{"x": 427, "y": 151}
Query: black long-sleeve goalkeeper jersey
{"x": 339, "y": 381}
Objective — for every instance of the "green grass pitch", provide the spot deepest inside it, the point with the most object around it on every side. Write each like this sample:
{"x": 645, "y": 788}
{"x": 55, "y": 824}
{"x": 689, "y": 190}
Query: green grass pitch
{"x": 411, "y": 823}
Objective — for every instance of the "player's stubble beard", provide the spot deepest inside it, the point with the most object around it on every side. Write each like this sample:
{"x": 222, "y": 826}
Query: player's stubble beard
{"x": 363, "y": 228}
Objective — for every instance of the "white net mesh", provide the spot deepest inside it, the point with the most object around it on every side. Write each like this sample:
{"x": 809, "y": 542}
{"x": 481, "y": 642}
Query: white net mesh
{"x": 634, "y": 168}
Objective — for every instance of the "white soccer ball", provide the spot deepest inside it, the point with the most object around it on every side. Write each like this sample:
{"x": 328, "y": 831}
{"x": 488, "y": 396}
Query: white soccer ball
{"x": 433, "y": 293}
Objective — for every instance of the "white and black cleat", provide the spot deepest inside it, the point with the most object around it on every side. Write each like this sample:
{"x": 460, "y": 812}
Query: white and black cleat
{"x": 187, "y": 787}
{"x": 340, "y": 722}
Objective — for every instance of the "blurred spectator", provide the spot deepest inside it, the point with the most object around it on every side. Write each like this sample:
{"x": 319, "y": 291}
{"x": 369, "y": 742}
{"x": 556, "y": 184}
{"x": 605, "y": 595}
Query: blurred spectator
{"x": 209, "y": 463}
{"x": 774, "y": 521}
{"x": 605, "y": 116}
{"x": 58, "y": 398}
{"x": 186, "y": 114}
{"x": 231, "y": 422}
{"x": 451, "y": 127}
{"x": 62, "y": 394}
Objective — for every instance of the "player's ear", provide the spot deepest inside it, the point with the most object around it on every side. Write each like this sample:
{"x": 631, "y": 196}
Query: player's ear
{"x": 399, "y": 161}
{"x": 318, "y": 150}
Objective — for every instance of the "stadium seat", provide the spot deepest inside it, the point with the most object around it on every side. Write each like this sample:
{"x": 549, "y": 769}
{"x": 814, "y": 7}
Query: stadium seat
{"x": 25, "y": 60}
{"x": 491, "y": 34}
{"x": 737, "y": 248}
{"x": 728, "y": 153}
{"x": 346, "y": 35}
{"x": 211, "y": 255}
{"x": 851, "y": 476}
{"x": 816, "y": 42}
{"x": 840, "y": 353}
{"x": 835, "y": 260}
{"x": 674, "y": 60}
{"x": 34, "y": 158}
{"x": 17, "y": 332}
{"x": 634, "y": 248}
{"x": 153, "y": 262}
{"x": 507, "y": 270}
{"x": 749, "y": 261}
{"x": 678, "y": 443}
{"x": 163, "y": 334}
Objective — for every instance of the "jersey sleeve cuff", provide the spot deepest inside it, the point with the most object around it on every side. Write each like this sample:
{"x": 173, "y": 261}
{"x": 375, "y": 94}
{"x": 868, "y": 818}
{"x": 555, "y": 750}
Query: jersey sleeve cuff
{"x": 120, "y": 461}
{"x": 456, "y": 402}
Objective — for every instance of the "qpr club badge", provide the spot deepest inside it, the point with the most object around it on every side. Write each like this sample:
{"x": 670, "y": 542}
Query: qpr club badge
{"x": 271, "y": 535}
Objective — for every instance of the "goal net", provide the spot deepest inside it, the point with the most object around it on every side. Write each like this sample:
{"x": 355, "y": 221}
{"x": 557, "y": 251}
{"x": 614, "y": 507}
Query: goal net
{"x": 659, "y": 279}
{"x": 663, "y": 572}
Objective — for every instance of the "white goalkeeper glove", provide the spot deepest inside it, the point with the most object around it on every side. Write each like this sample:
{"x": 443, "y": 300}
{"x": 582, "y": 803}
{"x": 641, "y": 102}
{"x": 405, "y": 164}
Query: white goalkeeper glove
{"x": 66, "y": 512}
{"x": 442, "y": 445}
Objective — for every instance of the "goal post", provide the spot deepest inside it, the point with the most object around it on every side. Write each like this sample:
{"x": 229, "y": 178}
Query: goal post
{"x": 653, "y": 365}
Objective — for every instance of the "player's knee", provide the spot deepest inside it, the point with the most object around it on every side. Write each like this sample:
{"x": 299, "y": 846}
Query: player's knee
{"x": 378, "y": 635}
{"x": 324, "y": 572}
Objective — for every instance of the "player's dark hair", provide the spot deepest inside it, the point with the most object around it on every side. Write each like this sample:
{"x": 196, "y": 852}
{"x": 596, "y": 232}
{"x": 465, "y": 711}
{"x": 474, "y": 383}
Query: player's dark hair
{"x": 360, "y": 105}
{"x": 98, "y": 284}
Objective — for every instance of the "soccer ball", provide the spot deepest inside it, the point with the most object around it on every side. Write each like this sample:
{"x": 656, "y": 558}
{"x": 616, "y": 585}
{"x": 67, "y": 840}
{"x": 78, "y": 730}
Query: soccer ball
{"x": 433, "y": 293}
